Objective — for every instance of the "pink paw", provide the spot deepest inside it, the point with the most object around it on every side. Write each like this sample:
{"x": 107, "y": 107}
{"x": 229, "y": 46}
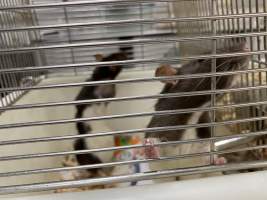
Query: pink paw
{"x": 151, "y": 151}
{"x": 220, "y": 161}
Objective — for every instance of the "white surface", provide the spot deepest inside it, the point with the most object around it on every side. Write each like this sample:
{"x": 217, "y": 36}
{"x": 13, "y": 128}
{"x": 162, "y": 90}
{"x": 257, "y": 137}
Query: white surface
{"x": 64, "y": 112}
{"x": 233, "y": 187}
{"x": 197, "y": 189}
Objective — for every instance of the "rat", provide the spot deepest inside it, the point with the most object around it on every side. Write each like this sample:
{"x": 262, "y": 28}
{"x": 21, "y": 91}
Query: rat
{"x": 97, "y": 92}
{"x": 189, "y": 85}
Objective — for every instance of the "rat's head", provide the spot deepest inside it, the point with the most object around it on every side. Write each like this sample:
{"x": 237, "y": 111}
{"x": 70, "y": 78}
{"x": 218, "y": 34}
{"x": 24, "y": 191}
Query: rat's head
{"x": 108, "y": 72}
{"x": 225, "y": 64}
{"x": 166, "y": 70}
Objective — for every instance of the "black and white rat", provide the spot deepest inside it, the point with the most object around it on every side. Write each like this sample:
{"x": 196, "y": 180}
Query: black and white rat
{"x": 94, "y": 110}
{"x": 196, "y": 101}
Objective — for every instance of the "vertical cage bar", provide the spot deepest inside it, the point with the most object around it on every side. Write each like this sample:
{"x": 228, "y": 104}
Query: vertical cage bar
{"x": 220, "y": 22}
{"x": 252, "y": 93}
{"x": 141, "y": 16}
{"x": 66, "y": 16}
{"x": 37, "y": 34}
{"x": 173, "y": 25}
{"x": 213, "y": 79}
{"x": 224, "y": 20}
{"x": 247, "y": 81}
{"x": 242, "y": 77}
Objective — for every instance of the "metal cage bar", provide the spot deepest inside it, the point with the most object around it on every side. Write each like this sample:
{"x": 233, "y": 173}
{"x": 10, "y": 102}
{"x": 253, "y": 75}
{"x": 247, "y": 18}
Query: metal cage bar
{"x": 42, "y": 40}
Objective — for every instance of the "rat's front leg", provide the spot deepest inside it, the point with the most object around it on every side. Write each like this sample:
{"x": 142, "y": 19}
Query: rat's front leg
{"x": 219, "y": 160}
{"x": 151, "y": 151}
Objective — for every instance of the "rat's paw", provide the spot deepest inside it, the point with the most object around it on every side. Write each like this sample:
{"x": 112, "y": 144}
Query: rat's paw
{"x": 151, "y": 151}
{"x": 220, "y": 161}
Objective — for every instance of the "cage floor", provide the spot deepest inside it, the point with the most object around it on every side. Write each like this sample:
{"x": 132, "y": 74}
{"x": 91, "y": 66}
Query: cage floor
{"x": 230, "y": 187}
{"x": 64, "y": 112}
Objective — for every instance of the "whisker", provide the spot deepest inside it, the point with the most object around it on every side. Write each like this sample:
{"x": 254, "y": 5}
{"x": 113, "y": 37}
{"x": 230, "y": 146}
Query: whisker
{"x": 203, "y": 79}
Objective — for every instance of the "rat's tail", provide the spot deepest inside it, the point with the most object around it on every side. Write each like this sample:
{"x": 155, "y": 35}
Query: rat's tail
{"x": 80, "y": 144}
{"x": 86, "y": 159}
{"x": 81, "y": 127}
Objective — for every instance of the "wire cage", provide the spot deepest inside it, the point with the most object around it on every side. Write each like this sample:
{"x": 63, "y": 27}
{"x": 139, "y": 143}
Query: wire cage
{"x": 49, "y": 49}
{"x": 16, "y": 59}
{"x": 223, "y": 28}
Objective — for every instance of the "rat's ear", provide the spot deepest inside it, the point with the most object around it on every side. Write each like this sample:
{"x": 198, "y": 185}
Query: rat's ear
{"x": 99, "y": 57}
{"x": 166, "y": 70}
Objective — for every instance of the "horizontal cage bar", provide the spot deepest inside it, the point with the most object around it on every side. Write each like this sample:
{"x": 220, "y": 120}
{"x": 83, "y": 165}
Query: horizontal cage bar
{"x": 128, "y": 178}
